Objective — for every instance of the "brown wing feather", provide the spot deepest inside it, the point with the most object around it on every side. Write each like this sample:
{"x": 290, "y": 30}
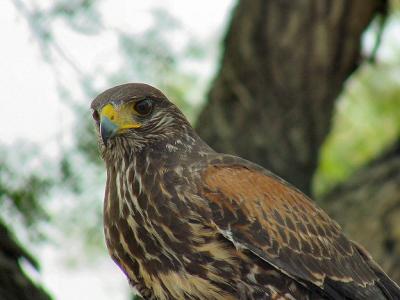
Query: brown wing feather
{"x": 281, "y": 225}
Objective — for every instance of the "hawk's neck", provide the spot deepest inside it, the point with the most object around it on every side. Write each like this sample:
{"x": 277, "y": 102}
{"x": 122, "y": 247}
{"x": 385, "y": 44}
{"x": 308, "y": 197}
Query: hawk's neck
{"x": 144, "y": 198}
{"x": 137, "y": 180}
{"x": 180, "y": 149}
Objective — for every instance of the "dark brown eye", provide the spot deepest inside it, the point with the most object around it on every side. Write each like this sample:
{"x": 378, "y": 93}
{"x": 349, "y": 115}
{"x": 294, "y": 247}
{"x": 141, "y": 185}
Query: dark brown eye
{"x": 144, "y": 107}
{"x": 96, "y": 116}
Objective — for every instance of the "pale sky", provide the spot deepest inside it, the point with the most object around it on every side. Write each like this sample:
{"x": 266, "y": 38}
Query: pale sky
{"x": 32, "y": 110}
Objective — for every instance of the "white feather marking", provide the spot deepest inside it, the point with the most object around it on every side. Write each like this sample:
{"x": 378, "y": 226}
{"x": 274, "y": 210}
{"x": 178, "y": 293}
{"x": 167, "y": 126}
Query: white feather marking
{"x": 171, "y": 148}
{"x": 120, "y": 199}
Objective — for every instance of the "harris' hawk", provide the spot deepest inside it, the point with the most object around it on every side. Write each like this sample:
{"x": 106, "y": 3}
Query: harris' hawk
{"x": 185, "y": 222}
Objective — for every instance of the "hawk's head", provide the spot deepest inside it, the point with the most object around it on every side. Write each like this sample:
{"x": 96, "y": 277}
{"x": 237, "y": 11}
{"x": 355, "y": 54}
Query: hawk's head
{"x": 137, "y": 114}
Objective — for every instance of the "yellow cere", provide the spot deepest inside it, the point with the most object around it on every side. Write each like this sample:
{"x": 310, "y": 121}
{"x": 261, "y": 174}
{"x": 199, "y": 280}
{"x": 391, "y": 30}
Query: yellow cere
{"x": 120, "y": 116}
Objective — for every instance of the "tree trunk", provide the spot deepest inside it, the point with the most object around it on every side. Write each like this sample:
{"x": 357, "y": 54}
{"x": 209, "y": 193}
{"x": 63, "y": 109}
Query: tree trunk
{"x": 14, "y": 284}
{"x": 284, "y": 65}
{"x": 368, "y": 208}
{"x": 272, "y": 101}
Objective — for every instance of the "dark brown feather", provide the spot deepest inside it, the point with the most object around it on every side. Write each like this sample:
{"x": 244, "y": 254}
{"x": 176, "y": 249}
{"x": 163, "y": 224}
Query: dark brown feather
{"x": 183, "y": 222}
{"x": 286, "y": 229}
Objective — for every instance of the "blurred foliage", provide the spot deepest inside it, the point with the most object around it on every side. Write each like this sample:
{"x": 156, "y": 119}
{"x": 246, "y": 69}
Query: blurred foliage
{"x": 80, "y": 15}
{"x": 367, "y": 118}
{"x": 24, "y": 184}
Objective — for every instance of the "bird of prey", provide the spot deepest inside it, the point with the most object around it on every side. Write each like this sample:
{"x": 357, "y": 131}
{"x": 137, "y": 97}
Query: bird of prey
{"x": 185, "y": 222}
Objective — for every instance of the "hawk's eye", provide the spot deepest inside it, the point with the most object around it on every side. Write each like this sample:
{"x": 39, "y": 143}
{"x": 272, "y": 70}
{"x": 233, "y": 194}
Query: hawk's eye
{"x": 144, "y": 107}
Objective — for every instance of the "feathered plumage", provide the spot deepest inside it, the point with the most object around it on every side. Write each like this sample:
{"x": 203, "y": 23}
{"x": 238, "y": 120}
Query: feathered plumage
{"x": 185, "y": 222}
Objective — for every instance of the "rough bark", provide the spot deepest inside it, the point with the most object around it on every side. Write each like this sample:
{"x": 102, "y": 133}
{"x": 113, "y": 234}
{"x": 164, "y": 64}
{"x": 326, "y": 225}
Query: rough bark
{"x": 368, "y": 208}
{"x": 283, "y": 67}
{"x": 14, "y": 283}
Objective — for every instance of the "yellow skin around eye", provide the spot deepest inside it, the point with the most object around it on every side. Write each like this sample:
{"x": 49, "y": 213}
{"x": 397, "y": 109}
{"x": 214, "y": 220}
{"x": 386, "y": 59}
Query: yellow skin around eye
{"x": 120, "y": 116}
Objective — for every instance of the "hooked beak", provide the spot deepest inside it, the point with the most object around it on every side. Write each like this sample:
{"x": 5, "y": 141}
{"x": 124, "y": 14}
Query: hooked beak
{"x": 114, "y": 120}
{"x": 108, "y": 129}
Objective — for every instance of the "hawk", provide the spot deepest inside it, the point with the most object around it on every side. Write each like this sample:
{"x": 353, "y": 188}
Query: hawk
{"x": 185, "y": 222}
